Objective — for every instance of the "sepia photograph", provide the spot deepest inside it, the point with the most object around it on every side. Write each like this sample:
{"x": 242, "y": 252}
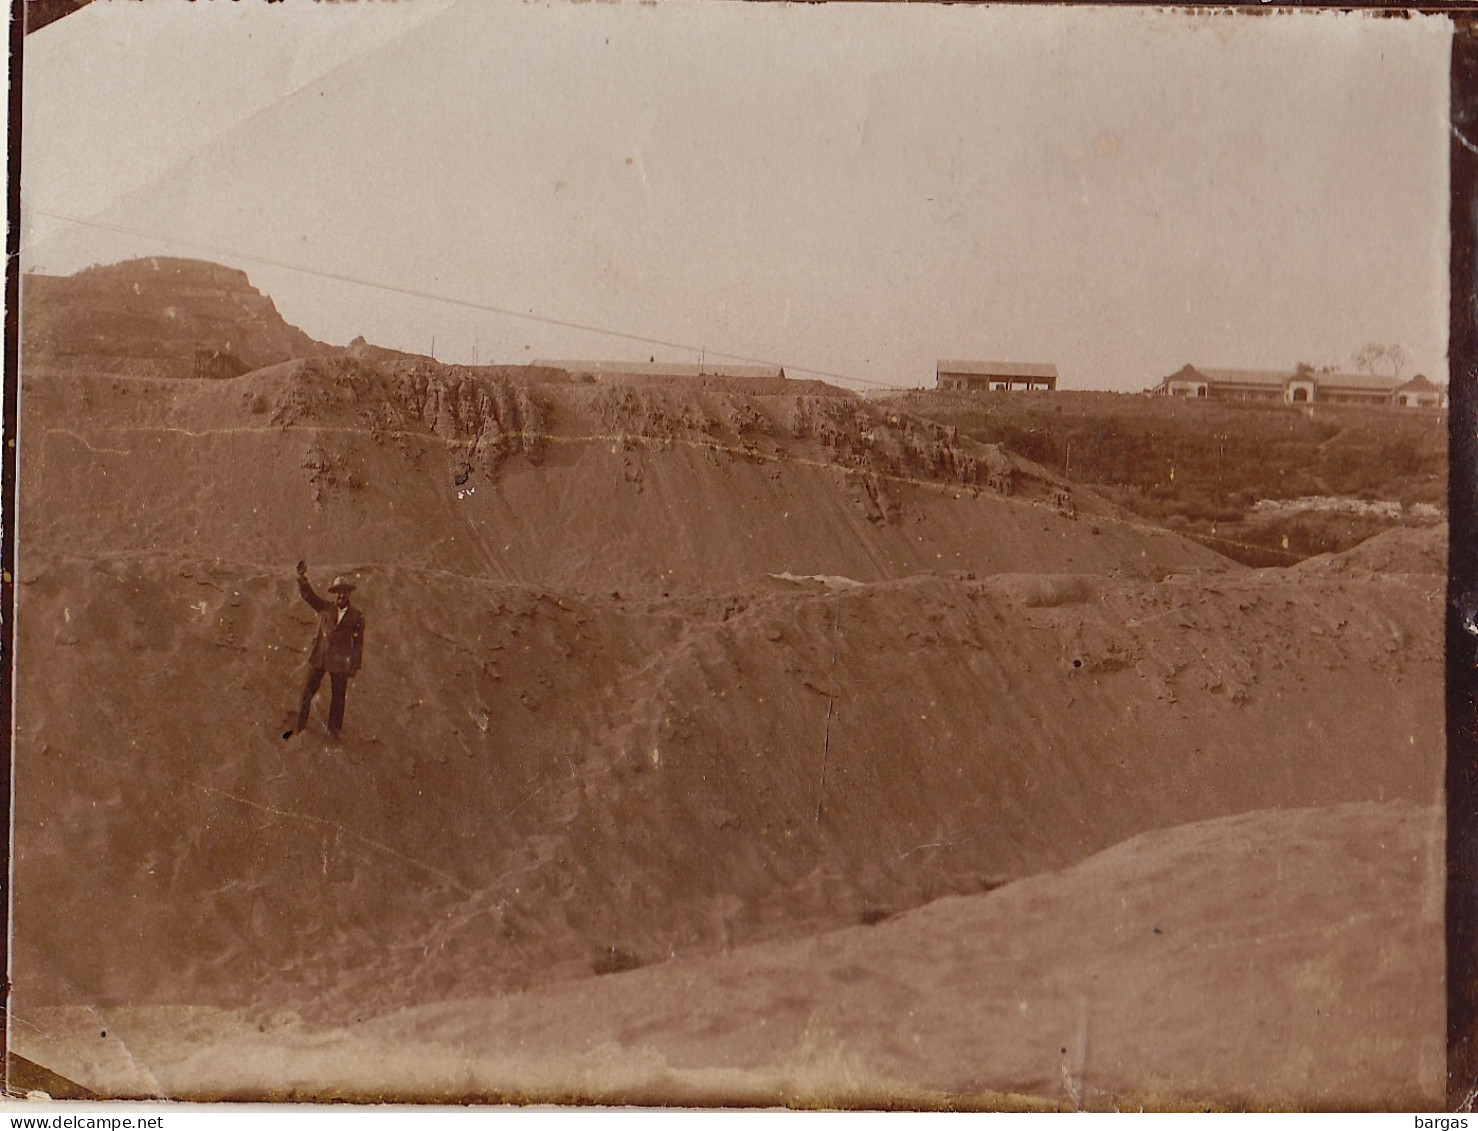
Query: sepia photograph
{"x": 685, "y": 553}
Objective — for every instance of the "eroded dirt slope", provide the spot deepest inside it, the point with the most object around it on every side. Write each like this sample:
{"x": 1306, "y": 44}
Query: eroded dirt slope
{"x": 1285, "y": 958}
{"x": 634, "y": 486}
{"x": 654, "y": 670}
{"x": 539, "y": 784}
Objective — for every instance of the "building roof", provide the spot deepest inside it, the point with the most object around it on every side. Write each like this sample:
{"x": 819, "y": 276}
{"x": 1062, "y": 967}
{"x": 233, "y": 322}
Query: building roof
{"x": 1420, "y": 384}
{"x": 1278, "y": 378}
{"x": 662, "y": 369}
{"x": 1015, "y": 370}
{"x": 1363, "y": 382}
{"x": 1270, "y": 377}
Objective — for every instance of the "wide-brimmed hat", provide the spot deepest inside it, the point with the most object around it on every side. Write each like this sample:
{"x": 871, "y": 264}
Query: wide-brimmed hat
{"x": 341, "y": 585}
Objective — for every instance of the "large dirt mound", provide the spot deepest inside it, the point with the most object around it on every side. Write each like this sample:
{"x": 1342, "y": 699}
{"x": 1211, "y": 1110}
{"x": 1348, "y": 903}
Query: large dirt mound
{"x": 160, "y": 316}
{"x": 1422, "y": 550}
{"x": 1245, "y": 961}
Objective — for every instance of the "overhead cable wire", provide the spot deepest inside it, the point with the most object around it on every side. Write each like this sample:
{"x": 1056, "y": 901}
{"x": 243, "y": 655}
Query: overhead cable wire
{"x": 452, "y": 300}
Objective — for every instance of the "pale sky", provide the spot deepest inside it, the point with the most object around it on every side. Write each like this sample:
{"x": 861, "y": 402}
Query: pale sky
{"x": 850, "y": 189}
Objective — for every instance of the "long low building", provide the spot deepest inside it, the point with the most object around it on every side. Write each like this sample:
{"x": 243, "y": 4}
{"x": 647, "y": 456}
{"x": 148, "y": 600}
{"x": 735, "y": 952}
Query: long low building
{"x": 994, "y": 376}
{"x": 661, "y": 369}
{"x": 1302, "y": 385}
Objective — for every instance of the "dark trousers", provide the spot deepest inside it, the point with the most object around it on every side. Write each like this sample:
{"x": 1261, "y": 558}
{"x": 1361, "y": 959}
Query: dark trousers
{"x": 338, "y": 684}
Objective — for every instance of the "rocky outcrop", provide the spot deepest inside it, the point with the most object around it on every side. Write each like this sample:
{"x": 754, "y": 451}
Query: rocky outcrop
{"x": 494, "y": 416}
{"x": 643, "y": 413}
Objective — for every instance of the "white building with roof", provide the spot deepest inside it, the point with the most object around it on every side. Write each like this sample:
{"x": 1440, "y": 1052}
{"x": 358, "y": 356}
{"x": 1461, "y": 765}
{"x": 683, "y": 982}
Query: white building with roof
{"x": 995, "y": 376}
{"x": 1420, "y": 392}
{"x": 1301, "y": 385}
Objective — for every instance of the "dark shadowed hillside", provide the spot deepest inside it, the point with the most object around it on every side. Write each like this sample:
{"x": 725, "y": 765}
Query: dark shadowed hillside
{"x": 1265, "y": 484}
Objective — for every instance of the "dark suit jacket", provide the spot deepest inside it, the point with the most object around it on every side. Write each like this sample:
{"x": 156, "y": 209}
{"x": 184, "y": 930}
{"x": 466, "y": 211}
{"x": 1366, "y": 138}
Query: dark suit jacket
{"x": 339, "y": 645}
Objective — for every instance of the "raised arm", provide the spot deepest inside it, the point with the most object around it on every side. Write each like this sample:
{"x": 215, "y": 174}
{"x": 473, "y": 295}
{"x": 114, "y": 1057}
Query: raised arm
{"x": 318, "y": 603}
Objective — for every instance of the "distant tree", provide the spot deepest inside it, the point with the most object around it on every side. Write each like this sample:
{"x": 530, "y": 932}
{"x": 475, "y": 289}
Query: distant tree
{"x": 1382, "y": 360}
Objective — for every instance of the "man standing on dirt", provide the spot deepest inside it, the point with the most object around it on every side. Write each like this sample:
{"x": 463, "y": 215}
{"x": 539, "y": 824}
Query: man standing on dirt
{"x": 337, "y": 649}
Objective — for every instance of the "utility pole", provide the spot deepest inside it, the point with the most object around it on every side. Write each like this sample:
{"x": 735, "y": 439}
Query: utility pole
{"x": 1221, "y": 451}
